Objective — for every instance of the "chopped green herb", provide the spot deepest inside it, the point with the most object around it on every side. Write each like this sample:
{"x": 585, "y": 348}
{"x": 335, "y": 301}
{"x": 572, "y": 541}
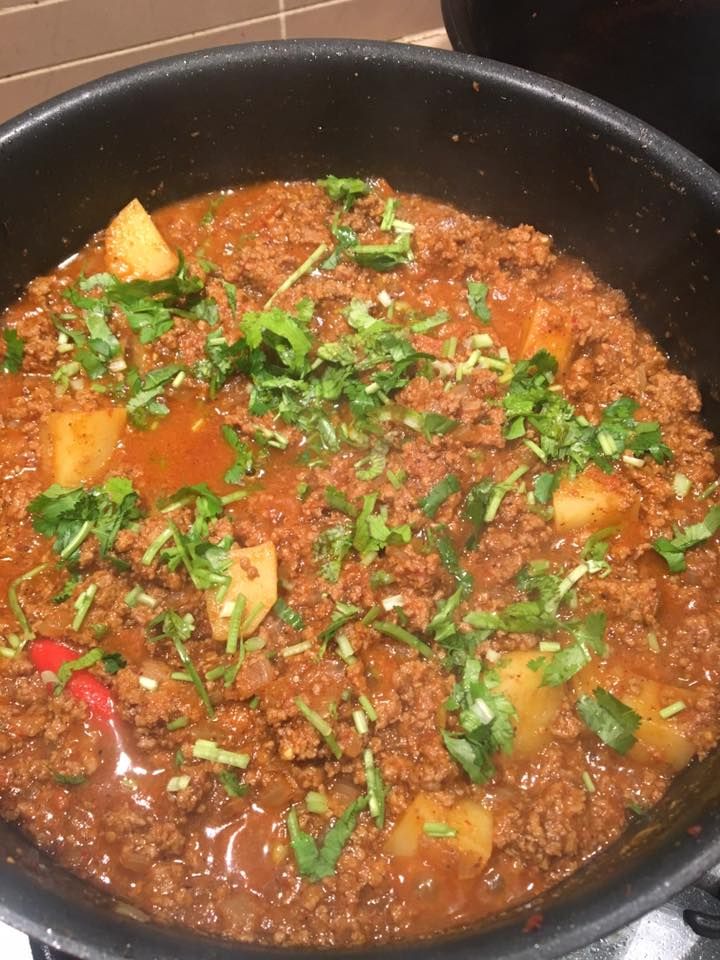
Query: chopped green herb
{"x": 322, "y": 727}
{"x": 177, "y": 628}
{"x": 383, "y": 257}
{"x": 477, "y": 299}
{"x": 67, "y": 669}
{"x": 71, "y": 516}
{"x": 243, "y": 464}
{"x": 69, "y": 779}
{"x": 673, "y": 550}
{"x": 113, "y": 662}
{"x": 179, "y": 723}
{"x": 375, "y": 788}
{"x": 344, "y": 190}
{"x": 372, "y": 534}
{"x": 612, "y": 720}
{"x": 232, "y": 786}
{"x": 145, "y": 393}
{"x": 289, "y": 616}
{"x": 673, "y": 709}
{"x": 439, "y": 831}
{"x": 485, "y": 719}
{"x": 14, "y": 351}
{"x": 338, "y": 501}
{"x": 403, "y": 635}
{"x": 315, "y": 862}
{"x": 209, "y": 750}
{"x": 436, "y": 497}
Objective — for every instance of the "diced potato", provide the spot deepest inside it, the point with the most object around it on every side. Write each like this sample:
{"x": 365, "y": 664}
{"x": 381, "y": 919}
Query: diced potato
{"x": 549, "y": 328}
{"x": 82, "y": 443}
{"x": 593, "y": 500}
{"x": 135, "y": 248}
{"x": 472, "y": 821}
{"x": 536, "y": 706}
{"x": 253, "y": 573}
{"x": 657, "y": 739}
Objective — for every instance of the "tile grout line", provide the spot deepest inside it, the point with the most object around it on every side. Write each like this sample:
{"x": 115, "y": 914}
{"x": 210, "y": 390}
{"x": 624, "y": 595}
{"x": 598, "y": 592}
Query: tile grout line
{"x": 151, "y": 45}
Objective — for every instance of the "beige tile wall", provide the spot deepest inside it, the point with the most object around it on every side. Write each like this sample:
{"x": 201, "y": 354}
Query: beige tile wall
{"x": 47, "y": 46}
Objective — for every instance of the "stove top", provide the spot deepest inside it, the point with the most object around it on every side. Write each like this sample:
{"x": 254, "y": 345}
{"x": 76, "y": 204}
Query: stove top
{"x": 685, "y": 928}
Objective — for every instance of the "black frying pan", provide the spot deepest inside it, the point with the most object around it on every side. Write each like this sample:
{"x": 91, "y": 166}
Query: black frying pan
{"x": 491, "y": 138}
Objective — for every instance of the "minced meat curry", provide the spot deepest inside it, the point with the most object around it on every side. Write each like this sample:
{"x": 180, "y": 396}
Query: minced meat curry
{"x": 358, "y": 559}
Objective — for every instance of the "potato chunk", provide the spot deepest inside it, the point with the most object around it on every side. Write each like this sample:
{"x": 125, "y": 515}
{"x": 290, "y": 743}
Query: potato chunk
{"x": 536, "y": 706}
{"x": 472, "y": 821}
{"x": 549, "y": 328}
{"x": 659, "y": 738}
{"x": 82, "y": 443}
{"x": 593, "y": 500}
{"x": 253, "y": 573}
{"x": 135, "y": 248}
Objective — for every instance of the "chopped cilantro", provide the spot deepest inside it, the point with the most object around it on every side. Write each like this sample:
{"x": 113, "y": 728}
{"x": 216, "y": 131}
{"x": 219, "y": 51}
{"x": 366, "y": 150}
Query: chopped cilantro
{"x": 372, "y": 534}
{"x": 475, "y": 507}
{"x": 439, "y": 539}
{"x": 14, "y": 351}
{"x": 113, "y": 662}
{"x": 317, "y": 862}
{"x": 178, "y": 628}
{"x": 344, "y": 190}
{"x": 436, "y": 497}
{"x": 243, "y": 464}
{"x": 330, "y": 549}
{"x": 477, "y": 299}
{"x": 565, "y": 436}
{"x": 611, "y": 719}
{"x": 338, "y": 501}
{"x": 673, "y": 550}
{"x": 145, "y": 401}
{"x": 485, "y": 720}
{"x": 383, "y": 257}
{"x": 289, "y": 616}
{"x": 72, "y": 515}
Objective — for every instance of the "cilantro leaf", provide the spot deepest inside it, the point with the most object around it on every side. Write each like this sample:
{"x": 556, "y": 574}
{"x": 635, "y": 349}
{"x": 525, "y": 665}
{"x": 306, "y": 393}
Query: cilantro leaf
{"x": 439, "y": 539}
{"x": 345, "y": 239}
{"x": 330, "y": 548}
{"x": 383, "y": 257}
{"x": 588, "y": 635}
{"x": 612, "y": 720}
{"x": 475, "y": 507}
{"x": 280, "y": 332}
{"x": 145, "y": 393}
{"x": 289, "y": 616}
{"x": 477, "y": 299}
{"x": 344, "y": 190}
{"x": 565, "y": 436}
{"x": 485, "y": 718}
{"x": 673, "y": 550}
{"x": 72, "y": 515}
{"x": 372, "y": 534}
{"x": 221, "y": 363}
{"x": 14, "y": 351}
{"x": 338, "y": 501}
{"x": 113, "y": 662}
{"x": 436, "y": 497}
{"x": 243, "y": 464}
{"x": 317, "y": 862}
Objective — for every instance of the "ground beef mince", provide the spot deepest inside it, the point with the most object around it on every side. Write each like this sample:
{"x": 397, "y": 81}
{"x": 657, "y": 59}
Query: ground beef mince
{"x": 359, "y": 564}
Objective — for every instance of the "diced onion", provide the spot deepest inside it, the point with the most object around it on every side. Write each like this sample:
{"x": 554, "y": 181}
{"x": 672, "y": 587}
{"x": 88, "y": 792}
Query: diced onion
{"x": 147, "y": 683}
{"x": 389, "y": 603}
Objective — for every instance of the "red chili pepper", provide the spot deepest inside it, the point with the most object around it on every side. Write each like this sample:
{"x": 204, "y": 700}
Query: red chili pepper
{"x": 50, "y": 655}
{"x": 533, "y": 923}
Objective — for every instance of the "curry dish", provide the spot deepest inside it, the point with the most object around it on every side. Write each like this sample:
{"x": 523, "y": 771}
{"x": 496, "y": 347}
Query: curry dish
{"x": 358, "y": 565}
